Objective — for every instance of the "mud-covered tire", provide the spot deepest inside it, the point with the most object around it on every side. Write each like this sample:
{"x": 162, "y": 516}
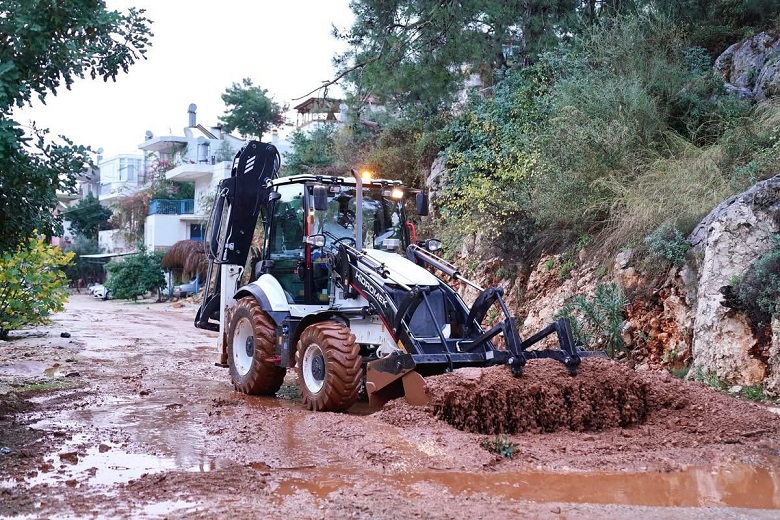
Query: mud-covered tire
{"x": 250, "y": 342}
{"x": 328, "y": 366}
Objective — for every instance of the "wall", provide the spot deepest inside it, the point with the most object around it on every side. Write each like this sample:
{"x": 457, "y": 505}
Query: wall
{"x": 162, "y": 231}
{"x": 112, "y": 241}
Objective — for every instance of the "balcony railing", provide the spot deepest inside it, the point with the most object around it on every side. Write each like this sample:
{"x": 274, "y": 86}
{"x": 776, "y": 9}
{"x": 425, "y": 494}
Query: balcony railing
{"x": 172, "y": 207}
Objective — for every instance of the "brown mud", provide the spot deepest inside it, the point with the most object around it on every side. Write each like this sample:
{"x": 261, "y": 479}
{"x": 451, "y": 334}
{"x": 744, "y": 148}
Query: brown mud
{"x": 129, "y": 418}
{"x": 546, "y": 398}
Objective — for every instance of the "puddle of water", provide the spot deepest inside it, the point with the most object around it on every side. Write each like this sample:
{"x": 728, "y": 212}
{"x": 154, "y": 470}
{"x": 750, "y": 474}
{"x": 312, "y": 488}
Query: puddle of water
{"x": 163, "y": 508}
{"x": 103, "y": 465}
{"x": 24, "y": 368}
{"x": 739, "y": 486}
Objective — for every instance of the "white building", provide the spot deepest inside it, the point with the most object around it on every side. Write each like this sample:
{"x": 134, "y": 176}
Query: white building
{"x": 120, "y": 175}
{"x": 203, "y": 156}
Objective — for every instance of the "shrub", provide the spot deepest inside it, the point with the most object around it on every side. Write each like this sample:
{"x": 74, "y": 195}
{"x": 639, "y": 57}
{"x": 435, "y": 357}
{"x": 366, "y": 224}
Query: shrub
{"x": 135, "y": 275}
{"x": 597, "y": 322}
{"x": 758, "y": 289}
{"x": 32, "y": 285}
{"x": 500, "y": 445}
{"x": 668, "y": 243}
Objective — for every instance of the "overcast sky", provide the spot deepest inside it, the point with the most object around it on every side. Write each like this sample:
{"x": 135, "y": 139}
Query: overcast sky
{"x": 199, "y": 48}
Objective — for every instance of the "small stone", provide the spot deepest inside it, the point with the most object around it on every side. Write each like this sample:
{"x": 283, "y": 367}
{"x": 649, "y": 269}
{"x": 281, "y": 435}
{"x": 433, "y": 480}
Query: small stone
{"x": 735, "y": 389}
{"x": 5, "y": 450}
{"x": 72, "y": 374}
{"x": 65, "y": 335}
{"x": 104, "y": 448}
{"x": 556, "y": 510}
{"x": 70, "y": 457}
{"x": 144, "y": 392}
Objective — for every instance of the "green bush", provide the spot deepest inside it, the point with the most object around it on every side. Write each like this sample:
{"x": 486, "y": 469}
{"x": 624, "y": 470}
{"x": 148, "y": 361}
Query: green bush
{"x": 500, "y": 445}
{"x": 597, "y": 322}
{"x": 135, "y": 275}
{"x": 667, "y": 243}
{"x": 32, "y": 285}
{"x": 759, "y": 288}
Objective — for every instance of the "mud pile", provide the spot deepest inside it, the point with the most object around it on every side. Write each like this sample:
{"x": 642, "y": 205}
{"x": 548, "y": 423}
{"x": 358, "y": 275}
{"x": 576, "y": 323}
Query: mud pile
{"x": 604, "y": 394}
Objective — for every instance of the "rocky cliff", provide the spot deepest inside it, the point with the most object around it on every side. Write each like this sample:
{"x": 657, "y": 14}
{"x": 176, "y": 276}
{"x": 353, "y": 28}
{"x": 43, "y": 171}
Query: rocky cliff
{"x": 752, "y": 67}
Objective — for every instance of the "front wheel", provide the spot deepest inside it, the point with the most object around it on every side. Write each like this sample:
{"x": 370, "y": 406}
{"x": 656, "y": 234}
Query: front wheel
{"x": 328, "y": 364}
{"x": 250, "y": 342}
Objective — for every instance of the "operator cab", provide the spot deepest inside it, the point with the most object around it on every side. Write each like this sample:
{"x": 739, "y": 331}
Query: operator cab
{"x": 303, "y": 270}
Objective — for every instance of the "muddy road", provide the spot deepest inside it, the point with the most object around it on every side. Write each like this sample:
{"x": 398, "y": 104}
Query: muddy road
{"x": 129, "y": 417}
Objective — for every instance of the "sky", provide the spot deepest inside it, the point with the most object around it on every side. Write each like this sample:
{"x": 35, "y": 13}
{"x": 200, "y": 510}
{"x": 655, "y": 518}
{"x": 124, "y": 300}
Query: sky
{"x": 198, "y": 50}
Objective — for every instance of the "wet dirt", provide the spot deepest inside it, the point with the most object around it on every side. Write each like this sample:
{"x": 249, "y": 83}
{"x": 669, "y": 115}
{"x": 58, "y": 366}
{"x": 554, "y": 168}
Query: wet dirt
{"x": 150, "y": 428}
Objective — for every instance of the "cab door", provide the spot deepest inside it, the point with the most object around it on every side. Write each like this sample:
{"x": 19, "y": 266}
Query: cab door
{"x": 284, "y": 246}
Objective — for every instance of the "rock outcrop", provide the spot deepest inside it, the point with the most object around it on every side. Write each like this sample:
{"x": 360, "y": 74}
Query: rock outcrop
{"x": 772, "y": 382}
{"x": 679, "y": 321}
{"x": 752, "y": 67}
{"x": 724, "y": 245}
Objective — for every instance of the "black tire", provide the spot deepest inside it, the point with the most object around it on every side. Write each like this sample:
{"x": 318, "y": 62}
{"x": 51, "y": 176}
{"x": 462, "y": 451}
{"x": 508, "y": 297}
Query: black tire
{"x": 328, "y": 365}
{"x": 250, "y": 342}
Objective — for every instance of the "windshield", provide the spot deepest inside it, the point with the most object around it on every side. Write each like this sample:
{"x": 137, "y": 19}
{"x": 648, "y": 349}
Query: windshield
{"x": 383, "y": 226}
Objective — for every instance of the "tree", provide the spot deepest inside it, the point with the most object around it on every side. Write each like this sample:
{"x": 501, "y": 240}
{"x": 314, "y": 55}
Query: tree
{"x": 250, "y": 110}
{"x": 82, "y": 269}
{"x": 416, "y": 54}
{"x": 312, "y": 153}
{"x": 45, "y": 45}
{"x": 135, "y": 275}
{"x": 88, "y": 217}
{"x": 716, "y": 24}
{"x": 32, "y": 284}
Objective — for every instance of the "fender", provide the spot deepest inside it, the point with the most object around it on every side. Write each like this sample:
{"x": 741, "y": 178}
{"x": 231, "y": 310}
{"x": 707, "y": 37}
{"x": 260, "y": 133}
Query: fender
{"x": 270, "y": 295}
{"x": 311, "y": 319}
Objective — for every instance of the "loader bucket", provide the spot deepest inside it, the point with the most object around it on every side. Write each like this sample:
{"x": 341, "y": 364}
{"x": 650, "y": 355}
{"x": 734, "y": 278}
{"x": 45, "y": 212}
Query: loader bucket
{"x": 393, "y": 377}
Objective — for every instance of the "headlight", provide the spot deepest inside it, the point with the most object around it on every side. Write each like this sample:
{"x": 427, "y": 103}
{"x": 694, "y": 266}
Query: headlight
{"x": 315, "y": 240}
{"x": 433, "y": 245}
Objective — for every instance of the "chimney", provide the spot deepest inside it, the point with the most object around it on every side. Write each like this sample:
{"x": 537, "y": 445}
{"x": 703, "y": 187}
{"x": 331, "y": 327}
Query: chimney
{"x": 191, "y": 112}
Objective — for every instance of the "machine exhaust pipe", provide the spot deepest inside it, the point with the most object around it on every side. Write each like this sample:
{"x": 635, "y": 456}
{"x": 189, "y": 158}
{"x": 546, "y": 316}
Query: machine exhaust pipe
{"x": 358, "y": 210}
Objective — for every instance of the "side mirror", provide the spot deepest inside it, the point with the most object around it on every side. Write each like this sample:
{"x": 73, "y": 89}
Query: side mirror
{"x": 320, "y": 198}
{"x": 422, "y": 204}
{"x": 274, "y": 195}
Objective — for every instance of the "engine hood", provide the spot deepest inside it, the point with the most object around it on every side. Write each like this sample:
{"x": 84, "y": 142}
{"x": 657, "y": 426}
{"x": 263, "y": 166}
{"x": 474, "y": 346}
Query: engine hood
{"x": 401, "y": 269}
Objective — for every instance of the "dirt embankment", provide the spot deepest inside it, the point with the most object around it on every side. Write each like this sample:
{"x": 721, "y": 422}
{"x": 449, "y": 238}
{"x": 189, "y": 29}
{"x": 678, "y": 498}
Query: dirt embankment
{"x": 150, "y": 428}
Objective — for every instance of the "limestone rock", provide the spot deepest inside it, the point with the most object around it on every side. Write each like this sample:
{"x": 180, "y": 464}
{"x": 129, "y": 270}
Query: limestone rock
{"x": 435, "y": 182}
{"x": 724, "y": 244}
{"x": 752, "y": 67}
{"x": 546, "y": 294}
{"x": 772, "y": 383}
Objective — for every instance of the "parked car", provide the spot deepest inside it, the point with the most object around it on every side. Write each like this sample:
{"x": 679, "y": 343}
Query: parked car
{"x": 100, "y": 291}
{"x": 184, "y": 290}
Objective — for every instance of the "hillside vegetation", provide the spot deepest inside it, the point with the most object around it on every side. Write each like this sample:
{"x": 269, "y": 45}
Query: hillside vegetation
{"x": 616, "y": 132}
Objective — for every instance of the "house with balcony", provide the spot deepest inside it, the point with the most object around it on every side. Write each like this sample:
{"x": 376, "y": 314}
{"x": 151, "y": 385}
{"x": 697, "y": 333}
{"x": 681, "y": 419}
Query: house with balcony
{"x": 120, "y": 175}
{"x": 203, "y": 156}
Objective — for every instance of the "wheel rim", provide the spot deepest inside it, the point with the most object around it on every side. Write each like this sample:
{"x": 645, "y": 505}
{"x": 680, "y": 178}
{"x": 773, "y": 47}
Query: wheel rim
{"x": 313, "y": 368}
{"x": 243, "y": 347}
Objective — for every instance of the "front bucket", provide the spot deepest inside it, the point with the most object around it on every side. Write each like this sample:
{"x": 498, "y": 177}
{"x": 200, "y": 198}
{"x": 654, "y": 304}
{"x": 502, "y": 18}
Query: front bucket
{"x": 393, "y": 377}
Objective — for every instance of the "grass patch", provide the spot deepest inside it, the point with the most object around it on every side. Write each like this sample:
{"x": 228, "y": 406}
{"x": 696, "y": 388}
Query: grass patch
{"x": 44, "y": 386}
{"x": 680, "y": 373}
{"x": 754, "y": 392}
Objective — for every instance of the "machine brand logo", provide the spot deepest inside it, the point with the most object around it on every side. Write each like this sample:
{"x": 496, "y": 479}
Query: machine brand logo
{"x": 370, "y": 288}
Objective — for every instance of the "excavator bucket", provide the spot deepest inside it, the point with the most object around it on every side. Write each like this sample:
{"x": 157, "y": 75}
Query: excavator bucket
{"x": 393, "y": 377}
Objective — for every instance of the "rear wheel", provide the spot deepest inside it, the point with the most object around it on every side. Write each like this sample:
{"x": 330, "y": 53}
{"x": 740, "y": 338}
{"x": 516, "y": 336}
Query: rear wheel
{"x": 328, "y": 364}
{"x": 250, "y": 341}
